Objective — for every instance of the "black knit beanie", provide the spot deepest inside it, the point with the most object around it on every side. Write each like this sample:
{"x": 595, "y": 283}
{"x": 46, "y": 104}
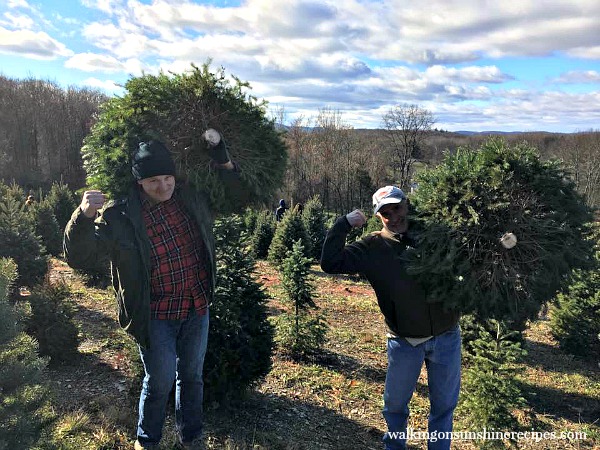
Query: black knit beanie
{"x": 152, "y": 159}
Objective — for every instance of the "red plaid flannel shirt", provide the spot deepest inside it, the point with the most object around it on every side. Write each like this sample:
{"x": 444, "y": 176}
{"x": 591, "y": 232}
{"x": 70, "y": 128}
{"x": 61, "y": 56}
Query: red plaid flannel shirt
{"x": 179, "y": 280}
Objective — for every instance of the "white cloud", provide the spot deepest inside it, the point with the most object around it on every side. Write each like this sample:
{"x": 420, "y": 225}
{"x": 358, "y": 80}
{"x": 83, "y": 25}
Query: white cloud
{"x": 360, "y": 56}
{"x": 536, "y": 111}
{"x": 116, "y": 41}
{"x": 474, "y": 74}
{"x": 577, "y": 76}
{"x": 107, "y": 85}
{"x": 284, "y": 34}
{"x": 35, "y": 45}
{"x": 93, "y": 62}
{"x": 18, "y": 21}
{"x": 592, "y": 52}
{"x": 106, "y": 6}
{"x": 18, "y": 4}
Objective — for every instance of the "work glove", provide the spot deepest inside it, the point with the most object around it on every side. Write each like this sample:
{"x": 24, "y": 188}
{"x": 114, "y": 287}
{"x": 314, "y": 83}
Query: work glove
{"x": 356, "y": 218}
{"x": 217, "y": 149}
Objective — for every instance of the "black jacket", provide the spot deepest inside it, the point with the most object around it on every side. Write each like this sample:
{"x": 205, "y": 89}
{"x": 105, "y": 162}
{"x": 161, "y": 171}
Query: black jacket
{"x": 120, "y": 234}
{"x": 381, "y": 258}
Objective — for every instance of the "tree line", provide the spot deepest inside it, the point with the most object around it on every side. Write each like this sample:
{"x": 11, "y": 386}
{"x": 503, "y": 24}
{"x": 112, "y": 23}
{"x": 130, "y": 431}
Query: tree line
{"x": 344, "y": 166}
{"x": 42, "y": 127}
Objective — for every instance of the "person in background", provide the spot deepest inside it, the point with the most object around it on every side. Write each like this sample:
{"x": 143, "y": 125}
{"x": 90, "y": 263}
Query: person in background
{"x": 280, "y": 211}
{"x": 417, "y": 331}
{"x": 160, "y": 244}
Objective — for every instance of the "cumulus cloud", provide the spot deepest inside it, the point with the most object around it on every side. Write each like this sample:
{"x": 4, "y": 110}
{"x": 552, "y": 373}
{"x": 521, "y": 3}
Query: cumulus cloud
{"x": 18, "y": 21}
{"x": 93, "y": 62}
{"x": 439, "y": 34}
{"x": 18, "y": 4}
{"x": 117, "y": 41}
{"x": 35, "y": 45}
{"x": 576, "y": 76}
{"x": 356, "y": 55}
{"x": 106, "y": 6}
{"x": 591, "y": 52}
{"x": 109, "y": 86}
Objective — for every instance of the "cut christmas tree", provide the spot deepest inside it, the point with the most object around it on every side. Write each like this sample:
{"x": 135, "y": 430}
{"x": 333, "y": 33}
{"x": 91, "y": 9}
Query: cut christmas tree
{"x": 178, "y": 109}
{"x": 500, "y": 231}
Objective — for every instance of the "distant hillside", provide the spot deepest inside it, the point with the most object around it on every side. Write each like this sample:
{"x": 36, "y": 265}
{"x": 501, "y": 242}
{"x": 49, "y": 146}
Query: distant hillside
{"x": 471, "y": 133}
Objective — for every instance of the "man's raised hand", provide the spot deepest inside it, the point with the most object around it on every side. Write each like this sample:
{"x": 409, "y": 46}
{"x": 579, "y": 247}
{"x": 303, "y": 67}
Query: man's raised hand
{"x": 217, "y": 149}
{"x": 91, "y": 202}
{"x": 356, "y": 218}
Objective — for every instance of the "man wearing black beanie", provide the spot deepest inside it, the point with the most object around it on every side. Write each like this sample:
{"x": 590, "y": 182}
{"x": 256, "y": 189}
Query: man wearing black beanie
{"x": 160, "y": 244}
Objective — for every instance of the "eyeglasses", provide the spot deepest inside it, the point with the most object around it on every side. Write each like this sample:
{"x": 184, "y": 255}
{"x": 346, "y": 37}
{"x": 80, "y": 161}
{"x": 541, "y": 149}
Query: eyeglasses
{"x": 387, "y": 212}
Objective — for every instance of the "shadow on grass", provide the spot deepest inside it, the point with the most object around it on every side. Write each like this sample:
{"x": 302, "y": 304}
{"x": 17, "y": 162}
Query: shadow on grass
{"x": 350, "y": 367}
{"x": 552, "y": 359}
{"x": 557, "y": 403}
{"x": 268, "y": 421}
{"x": 357, "y": 369}
{"x": 95, "y": 324}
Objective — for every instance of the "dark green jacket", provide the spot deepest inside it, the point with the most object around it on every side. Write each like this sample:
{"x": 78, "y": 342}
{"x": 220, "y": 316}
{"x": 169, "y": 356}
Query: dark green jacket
{"x": 120, "y": 234}
{"x": 380, "y": 257}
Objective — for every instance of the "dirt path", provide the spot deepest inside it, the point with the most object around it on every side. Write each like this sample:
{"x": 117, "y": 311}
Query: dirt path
{"x": 96, "y": 392}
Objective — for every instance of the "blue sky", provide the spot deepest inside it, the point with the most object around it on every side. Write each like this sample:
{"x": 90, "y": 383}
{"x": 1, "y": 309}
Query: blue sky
{"x": 478, "y": 65}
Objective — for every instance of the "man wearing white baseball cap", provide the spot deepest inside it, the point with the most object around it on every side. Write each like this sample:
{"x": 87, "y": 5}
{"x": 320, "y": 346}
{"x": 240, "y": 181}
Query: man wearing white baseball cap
{"x": 418, "y": 331}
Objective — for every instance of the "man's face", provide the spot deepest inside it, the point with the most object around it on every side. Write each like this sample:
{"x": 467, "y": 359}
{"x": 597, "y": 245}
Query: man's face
{"x": 159, "y": 188}
{"x": 394, "y": 217}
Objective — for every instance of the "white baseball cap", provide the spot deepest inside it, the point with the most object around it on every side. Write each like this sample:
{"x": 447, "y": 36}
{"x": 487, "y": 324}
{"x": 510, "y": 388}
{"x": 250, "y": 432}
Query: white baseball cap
{"x": 387, "y": 195}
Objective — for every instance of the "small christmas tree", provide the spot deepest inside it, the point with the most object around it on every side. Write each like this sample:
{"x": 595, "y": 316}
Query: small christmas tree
{"x": 47, "y": 228}
{"x": 263, "y": 235}
{"x": 490, "y": 390}
{"x": 289, "y": 230}
{"x": 19, "y": 242}
{"x": 314, "y": 222}
{"x": 249, "y": 219}
{"x": 24, "y": 409}
{"x": 241, "y": 337}
{"x": 575, "y": 312}
{"x": 300, "y": 332}
{"x": 575, "y": 315}
{"x": 63, "y": 202}
{"x": 295, "y": 270}
{"x": 51, "y": 322}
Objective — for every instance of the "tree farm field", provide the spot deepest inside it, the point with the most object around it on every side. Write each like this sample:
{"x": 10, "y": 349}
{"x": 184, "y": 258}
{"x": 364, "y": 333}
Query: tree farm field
{"x": 331, "y": 401}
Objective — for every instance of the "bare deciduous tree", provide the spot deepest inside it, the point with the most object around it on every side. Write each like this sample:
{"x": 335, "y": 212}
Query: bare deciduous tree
{"x": 42, "y": 128}
{"x": 326, "y": 157}
{"x": 580, "y": 153}
{"x": 406, "y": 127}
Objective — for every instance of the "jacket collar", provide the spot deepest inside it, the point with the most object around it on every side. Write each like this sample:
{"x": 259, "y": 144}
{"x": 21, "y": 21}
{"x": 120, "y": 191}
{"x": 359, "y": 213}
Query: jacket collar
{"x": 409, "y": 235}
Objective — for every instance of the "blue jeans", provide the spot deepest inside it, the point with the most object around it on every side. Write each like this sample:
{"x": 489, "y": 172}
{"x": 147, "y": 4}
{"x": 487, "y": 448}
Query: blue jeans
{"x": 442, "y": 359}
{"x": 176, "y": 353}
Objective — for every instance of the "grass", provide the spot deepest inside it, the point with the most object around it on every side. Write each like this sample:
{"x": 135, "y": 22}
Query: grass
{"x": 330, "y": 401}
